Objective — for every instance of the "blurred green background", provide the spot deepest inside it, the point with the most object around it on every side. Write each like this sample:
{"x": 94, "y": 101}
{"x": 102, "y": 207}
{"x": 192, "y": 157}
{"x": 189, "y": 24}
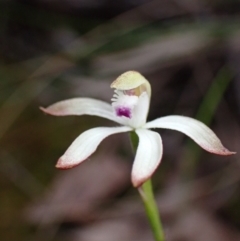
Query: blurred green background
{"x": 189, "y": 50}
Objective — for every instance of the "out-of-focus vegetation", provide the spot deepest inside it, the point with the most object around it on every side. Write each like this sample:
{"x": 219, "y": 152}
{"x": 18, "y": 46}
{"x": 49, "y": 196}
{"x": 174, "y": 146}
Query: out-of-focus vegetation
{"x": 53, "y": 50}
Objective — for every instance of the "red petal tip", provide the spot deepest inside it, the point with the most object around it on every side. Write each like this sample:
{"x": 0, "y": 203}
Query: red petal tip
{"x": 62, "y": 165}
{"x": 43, "y": 109}
{"x": 226, "y": 152}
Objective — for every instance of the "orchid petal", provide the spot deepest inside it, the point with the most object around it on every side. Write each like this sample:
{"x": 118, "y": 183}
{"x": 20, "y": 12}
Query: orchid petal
{"x": 148, "y": 156}
{"x": 195, "y": 129}
{"x": 141, "y": 111}
{"x": 82, "y": 106}
{"x": 84, "y": 145}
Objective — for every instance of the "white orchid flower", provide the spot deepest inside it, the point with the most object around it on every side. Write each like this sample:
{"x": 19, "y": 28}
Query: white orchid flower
{"x": 129, "y": 108}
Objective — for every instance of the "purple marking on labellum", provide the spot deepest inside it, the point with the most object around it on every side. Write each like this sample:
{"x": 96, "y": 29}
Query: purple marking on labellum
{"x": 123, "y": 111}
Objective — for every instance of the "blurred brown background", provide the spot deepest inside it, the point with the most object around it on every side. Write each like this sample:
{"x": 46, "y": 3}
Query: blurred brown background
{"x": 50, "y": 50}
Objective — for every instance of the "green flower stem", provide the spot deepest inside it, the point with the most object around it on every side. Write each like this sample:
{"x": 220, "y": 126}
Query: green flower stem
{"x": 151, "y": 209}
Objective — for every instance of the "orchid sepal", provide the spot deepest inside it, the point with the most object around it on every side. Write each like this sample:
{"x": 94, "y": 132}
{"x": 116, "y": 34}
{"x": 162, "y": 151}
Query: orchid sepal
{"x": 85, "y": 144}
{"x": 195, "y": 129}
{"x": 81, "y": 106}
{"x": 148, "y": 156}
{"x": 132, "y": 80}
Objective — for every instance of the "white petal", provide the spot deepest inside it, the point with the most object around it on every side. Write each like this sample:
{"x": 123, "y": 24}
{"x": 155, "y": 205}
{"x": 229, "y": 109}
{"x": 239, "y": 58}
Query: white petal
{"x": 148, "y": 156}
{"x": 81, "y": 106}
{"x": 141, "y": 111}
{"x": 84, "y": 145}
{"x": 195, "y": 129}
